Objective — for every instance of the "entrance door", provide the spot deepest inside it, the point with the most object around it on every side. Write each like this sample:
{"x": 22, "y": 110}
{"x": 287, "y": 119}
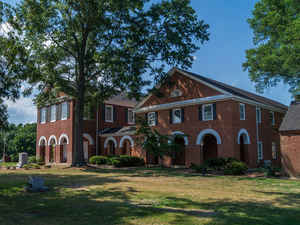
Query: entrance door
{"x": 210, "y": 147}
{"x": 86, "y": 150}
{"x": 179, "y": 157}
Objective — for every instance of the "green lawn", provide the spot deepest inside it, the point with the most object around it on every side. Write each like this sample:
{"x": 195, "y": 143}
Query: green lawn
{"x": 146, "y": 196}
{"x": 8, "y": 164}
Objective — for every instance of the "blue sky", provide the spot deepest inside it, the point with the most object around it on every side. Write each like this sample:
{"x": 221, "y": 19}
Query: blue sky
{"x": 221, "y": 58}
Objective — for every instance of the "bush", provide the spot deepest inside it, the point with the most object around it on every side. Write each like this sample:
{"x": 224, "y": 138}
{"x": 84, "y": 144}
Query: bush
{"x": 40, "y": 162}
{"x": 219, "y": 163}
{"x": 14, "y": 158}
{"x": 127, "y": 161}
{"x": 98, "y": 160}
{"x": 200, "y": 168}
{"x": 32, "y": 159}
{"x": 31, "y": 166}
{"x": 235, "y": 168}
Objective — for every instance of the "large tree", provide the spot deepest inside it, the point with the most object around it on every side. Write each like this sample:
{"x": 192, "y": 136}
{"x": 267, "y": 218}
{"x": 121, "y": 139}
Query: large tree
{"x": 92, "y": 49}
{"x": 276, "y": 55}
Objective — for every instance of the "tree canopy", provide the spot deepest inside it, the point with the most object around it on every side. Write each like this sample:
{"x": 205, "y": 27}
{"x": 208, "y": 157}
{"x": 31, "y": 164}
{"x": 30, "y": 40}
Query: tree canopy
{"x": 276, "y": 56}
{"x": 91, "y": 49}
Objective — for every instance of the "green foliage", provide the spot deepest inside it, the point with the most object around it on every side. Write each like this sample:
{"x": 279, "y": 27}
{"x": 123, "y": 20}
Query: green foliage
{"x": 235, "y": 168}
{"x": 94, "y": 49}
{"x": 98, "y": 160}
{"x": 276, "y": 56}
{"x": 32, "y": 159}
{"x": 155, "y": 143}
{"x": 20, "y": 138}
{"x": 31, "y": 166}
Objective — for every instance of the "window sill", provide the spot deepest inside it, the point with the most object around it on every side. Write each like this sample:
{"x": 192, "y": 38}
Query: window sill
{"x": 109, "y": 121}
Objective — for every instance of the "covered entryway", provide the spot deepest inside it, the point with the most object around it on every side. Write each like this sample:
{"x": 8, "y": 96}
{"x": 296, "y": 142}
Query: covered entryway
{"x": 126, "y": 145}
{"x": 243, "y": 141}
{"x": 63, "y": 142}
{"x": 42, "y": 148}
{"x": 110, "y": 145}
{"x": 52, "y": 149}
{"x": 179, "y": 153}
{"x": 88, "y": 143}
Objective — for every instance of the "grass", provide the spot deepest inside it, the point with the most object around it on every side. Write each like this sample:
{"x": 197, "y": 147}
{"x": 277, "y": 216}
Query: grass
{"x": 4, "y": 164}
{"x": 146, "y": 196}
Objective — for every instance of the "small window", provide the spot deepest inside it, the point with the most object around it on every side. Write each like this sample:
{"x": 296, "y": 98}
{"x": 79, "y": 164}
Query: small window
{"x": 176, "y": 93}
{"x": 64, "y": 111}
{"x": 130, "y": 116}
{"x": 274, "y": 151}
{"x": 260, "y": 151}
{"x": 53, "y": 113}
{"x": 207, "y": 112}
{"x": 272, "y": 118}
{"x": 258, "y": 115}
{"x": 109, "y": 113}
{"x": 177, "y": 117}
{"x": 242, "y": 112}
{"x": 43, "y": 115}
{"x": 151, "y": 119}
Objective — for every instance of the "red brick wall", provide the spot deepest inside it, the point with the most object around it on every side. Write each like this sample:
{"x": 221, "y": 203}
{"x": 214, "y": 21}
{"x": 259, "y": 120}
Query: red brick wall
{"x": 290, "y": 152}
{"x": 190, "y": 89}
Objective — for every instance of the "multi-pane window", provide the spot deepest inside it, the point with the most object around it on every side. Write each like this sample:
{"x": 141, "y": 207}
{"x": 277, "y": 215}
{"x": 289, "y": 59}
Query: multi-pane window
{"x": 260, "y": 154}
{"x": 272, "y": 118}
{"x": 109, "y": 110}
{"x": 258, "y": 115}
{"x": 207, "y": 112}
{"x": 151, "y": 119}
{"x": 53, "y": 113}
{"x": 177, "y": 117}
{"x": 64, "y": 111}
{"x": 274, "y": 152}
{"x": 130, "y": 116}
{"x": 43, "y": 115}
{"x": 242, "y": 112}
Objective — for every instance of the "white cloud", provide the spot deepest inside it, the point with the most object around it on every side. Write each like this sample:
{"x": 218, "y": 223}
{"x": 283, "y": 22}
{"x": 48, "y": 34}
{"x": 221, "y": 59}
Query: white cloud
{"x": 21, "y": 111}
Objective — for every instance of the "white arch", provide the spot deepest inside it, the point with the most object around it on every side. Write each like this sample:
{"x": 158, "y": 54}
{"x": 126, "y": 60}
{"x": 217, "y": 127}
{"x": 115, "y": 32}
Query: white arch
{"x": 62, "y": 137}
{"x": 202, "y": 134}
{"x": 126, "y": 138}
{"x": 50, "y": 139}
{"x": 42, "y": 138}
{"x": 186, "y": 141}
{"x": 110, "y": 139}
{"x": 89, "y": 137}
{"x": 241, "y": 132}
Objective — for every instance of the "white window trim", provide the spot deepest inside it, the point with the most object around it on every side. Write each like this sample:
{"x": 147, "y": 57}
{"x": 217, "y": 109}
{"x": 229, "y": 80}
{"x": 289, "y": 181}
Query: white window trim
{"x": 176, "y": 93}
{"x": 203, "y": 112}
{"x": 274, "y": 145}
{"x": 133, "y": 115}
{"x": 112, "y": 112}
{"x": 244, "y": 114}
{"x": 262, "y": 151}
{"x": 173, "y": 115}
{"x": 45, "y": 111}
{"x": 148, "y": 117}
{"x": 62, "y": 114}
{"x": 273, "y": 118}
{"x": 51, "y": 107}
{"x": 258, "y": 119}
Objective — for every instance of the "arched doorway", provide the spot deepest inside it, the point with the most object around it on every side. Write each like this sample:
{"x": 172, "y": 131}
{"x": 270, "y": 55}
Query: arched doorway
{"x": 243, "y": 141}
{"x": 42, "y": 148}
{"x": 209, "y": 147}
{"x": 126, "y": 149}
{"x": 111, "y": 148}
{"x": 64, "y": 150}
{"x": 52, "y": 151}
{"x": 179, "y": 153}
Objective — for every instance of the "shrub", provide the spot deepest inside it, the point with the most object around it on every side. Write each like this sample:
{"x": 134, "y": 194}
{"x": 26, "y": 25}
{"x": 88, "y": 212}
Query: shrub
{"x": 98, "y": 160}
{"x": 200, "y": 168}
{"x": 31, "y": 166}
{"x": 32, "y": 159}
{"x": 41, "y": 162}
{"x": 235, "y": 168}
{"x": 127, "y": 161}
{"x": 14, "y": 158}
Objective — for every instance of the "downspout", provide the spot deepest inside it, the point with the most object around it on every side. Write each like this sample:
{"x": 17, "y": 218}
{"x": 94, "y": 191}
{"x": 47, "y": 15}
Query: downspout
{"x": 97, "y": 127}
{"x": 257, "y": 133}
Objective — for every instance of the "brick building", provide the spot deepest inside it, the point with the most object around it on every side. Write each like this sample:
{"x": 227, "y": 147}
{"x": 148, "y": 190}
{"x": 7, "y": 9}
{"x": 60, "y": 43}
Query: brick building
{"x": 218, "y": 120}
{"x": 290, "y": 139}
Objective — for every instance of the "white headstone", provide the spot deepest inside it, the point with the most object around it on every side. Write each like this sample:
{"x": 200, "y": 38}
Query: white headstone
{"x": 23, "y": 159}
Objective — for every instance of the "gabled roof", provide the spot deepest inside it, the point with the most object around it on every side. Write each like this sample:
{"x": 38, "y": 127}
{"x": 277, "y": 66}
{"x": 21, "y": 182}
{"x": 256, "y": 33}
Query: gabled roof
{"x": 118, "y": 131}
{"x": 291, "y": 121}
{"x": 224, "y": 89}
{"x": 121, "y": 100}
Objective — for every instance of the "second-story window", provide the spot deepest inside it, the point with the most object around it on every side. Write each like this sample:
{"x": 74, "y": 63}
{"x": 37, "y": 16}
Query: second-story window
{"x": 53, "y": 113}
{"x": 242, "y": 112}
{"x": 109, "y": 111}
{"x": 151, "y": 118}
{"x": 43, "y": 115}
{"x": 258, "y": 115}
{"x": 207, "y": 112}
{"x": 64, "y": 111}
{"x": 272, "y": 118}
{"x": 130, "y": 116}
{"x": 177, "y": 116}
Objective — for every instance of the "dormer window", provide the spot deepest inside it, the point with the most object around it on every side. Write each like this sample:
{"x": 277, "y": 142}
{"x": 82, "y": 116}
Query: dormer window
{"x": 176, "y": 93}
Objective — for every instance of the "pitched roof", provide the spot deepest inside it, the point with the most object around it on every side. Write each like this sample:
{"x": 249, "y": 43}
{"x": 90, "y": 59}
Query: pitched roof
{"x": 121, "y": 100}
{"x": 117, "y": 131}
{"x": 291, "y": 121}
{"x": 236, "y": 91}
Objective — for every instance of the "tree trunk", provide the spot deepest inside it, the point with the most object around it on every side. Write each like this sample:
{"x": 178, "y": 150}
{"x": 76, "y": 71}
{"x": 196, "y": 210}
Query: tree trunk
{"x": 78, "y": 128}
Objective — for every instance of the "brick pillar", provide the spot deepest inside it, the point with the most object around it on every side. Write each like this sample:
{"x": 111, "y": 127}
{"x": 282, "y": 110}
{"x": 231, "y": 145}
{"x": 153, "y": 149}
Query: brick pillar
{"x": 193, "y": 155}
{"x": 47, "y": 154}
